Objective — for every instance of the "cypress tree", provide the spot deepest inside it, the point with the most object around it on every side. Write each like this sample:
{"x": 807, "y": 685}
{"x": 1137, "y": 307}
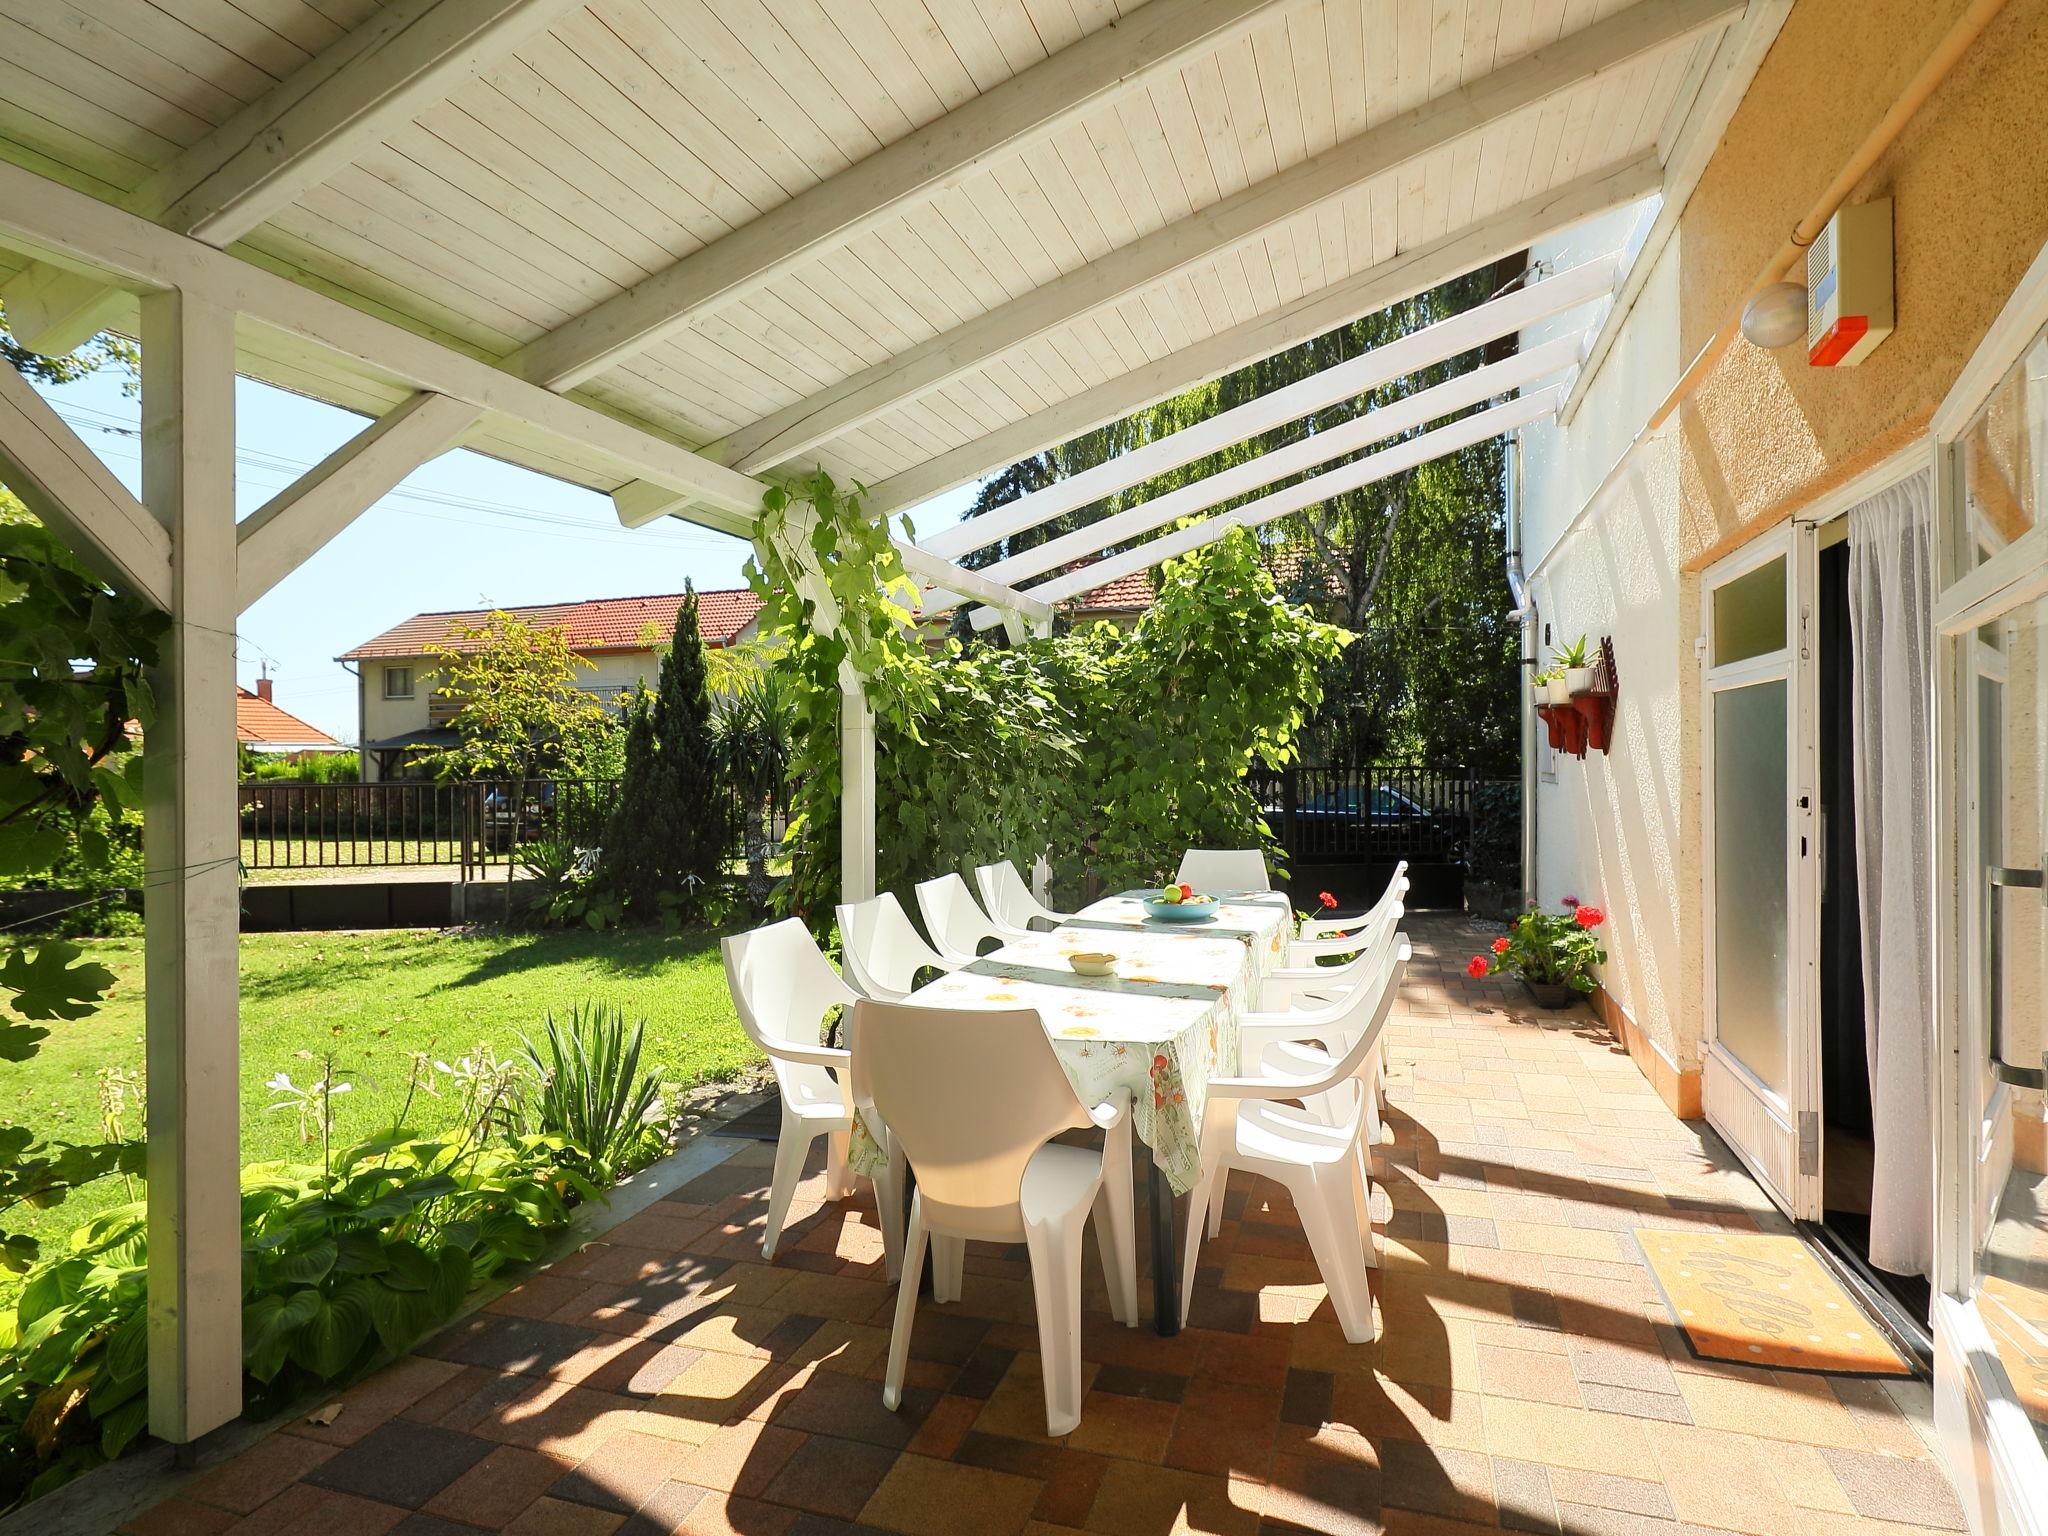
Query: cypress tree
{"x": 629, "y": 857}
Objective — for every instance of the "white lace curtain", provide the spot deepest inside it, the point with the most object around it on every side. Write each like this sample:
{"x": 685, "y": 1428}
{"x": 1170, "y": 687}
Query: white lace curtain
{"x": 1890, "y": 602}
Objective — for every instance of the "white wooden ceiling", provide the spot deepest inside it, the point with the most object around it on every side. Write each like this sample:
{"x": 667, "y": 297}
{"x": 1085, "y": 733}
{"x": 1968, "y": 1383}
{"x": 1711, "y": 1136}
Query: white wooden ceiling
{"x": 1071, "y": 268}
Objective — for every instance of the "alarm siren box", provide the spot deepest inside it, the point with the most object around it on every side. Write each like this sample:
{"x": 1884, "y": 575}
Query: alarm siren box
{"x": 1849, "y": 285}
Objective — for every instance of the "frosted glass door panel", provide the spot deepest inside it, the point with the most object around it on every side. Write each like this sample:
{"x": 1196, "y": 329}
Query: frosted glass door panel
{"x": 1750, "y": 897}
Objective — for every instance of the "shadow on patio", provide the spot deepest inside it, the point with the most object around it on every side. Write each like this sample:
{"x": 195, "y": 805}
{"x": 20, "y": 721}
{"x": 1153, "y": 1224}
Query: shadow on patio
{"x": 1526, "y": 1375}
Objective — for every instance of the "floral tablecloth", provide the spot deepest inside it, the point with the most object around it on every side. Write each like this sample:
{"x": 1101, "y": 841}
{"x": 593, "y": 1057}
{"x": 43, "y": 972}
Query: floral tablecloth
{"x": 1160, "y": 1028}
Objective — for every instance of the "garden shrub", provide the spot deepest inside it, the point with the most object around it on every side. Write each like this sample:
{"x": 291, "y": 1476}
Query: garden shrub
{"x": 589, "y": 1089}
{"x": 343, "y": 1265}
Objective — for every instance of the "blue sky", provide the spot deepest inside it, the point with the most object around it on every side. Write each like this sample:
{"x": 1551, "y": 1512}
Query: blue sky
{"x": 462, "y": 532}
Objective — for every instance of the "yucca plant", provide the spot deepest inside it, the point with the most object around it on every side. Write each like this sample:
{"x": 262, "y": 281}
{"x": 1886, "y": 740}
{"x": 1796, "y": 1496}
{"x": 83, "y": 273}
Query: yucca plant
{"x": 592, "y": 1091}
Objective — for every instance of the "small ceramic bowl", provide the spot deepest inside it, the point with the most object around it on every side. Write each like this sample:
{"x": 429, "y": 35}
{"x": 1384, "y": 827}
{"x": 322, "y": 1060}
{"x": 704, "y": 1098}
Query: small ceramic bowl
{"x": 1092, "y": 964}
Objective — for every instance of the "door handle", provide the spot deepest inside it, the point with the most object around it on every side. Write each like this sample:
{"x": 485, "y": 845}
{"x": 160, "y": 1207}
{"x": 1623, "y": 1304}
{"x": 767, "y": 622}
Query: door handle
{"x": 1996, "y": 878}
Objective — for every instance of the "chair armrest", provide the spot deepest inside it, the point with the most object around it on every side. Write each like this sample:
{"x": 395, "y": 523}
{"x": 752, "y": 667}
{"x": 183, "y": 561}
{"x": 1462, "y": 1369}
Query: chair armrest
{"x": 837, "y": 1058}
{"x": 1346, "y": 944}
{"x": 1112, "y": 1111}
{"x": 1330, "y": 927}
{"x": 1278, "y": 1085}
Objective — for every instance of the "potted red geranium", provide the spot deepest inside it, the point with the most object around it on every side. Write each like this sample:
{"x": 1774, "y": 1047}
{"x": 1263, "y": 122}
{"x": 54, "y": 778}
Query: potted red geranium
{"x": 1553, "y": 952}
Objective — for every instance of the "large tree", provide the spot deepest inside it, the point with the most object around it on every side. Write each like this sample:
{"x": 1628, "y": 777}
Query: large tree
{"x": 1412, "y": 565}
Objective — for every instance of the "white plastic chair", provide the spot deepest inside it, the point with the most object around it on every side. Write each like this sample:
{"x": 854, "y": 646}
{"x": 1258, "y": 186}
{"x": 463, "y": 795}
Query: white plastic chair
{"x": 1322, "y": 1165}
{"x": 975, "y": 1098}
{"x": 1356, "y": 932}
{"x": 1334, "y": 927}
{"x": 1224, "y": 869}
{"x": 958, "y": 927}
{"x": 783, "y": 986}
{"x": 882, "y": 951}
{"x": 1007, "y": 896}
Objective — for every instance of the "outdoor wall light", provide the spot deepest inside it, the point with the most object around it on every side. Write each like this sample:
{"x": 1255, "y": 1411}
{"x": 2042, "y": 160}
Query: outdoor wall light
{"x": 1776, "y": 317}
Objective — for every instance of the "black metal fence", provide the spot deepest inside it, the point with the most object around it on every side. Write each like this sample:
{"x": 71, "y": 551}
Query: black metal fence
{"x": 467, "y": 826}
{"x": 1346, "y": 827}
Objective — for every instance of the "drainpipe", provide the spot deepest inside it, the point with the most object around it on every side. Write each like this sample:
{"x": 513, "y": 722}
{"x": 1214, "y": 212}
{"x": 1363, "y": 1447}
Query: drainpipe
{"x": 1524, "y": 610}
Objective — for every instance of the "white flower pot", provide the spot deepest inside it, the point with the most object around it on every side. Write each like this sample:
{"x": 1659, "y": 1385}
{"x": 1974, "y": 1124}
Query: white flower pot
{"x": 1578, "y": 680}
{"x": 1560, "y": 692}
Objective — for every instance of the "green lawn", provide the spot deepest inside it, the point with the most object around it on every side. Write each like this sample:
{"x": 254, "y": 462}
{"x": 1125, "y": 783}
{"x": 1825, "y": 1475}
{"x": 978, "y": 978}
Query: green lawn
{"x": 373, "y": 999}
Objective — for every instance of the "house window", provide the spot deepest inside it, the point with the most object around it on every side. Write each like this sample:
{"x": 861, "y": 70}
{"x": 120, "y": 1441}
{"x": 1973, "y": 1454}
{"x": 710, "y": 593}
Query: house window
{"x": 398, "y": 682}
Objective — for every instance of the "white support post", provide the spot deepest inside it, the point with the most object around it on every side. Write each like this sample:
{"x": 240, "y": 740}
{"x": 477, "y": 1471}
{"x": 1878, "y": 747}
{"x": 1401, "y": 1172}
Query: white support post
{"x": 857, "y": 832}
{"x": 190, "y": 846}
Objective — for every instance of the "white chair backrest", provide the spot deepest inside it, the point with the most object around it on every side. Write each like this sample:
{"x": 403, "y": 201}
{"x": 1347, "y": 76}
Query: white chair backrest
{"x": 958, "y": 928}
{"x": 883, "y": 952}
{"x": 1212, "y": 870}
{"x": 782, "y": 984}
{"x": 970, "y": 1095}
{"x": 1004, "y": 893}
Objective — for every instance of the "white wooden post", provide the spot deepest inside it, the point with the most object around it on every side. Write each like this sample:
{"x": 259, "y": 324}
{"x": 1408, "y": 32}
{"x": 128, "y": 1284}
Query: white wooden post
{"x": 192, "y": 906}
{"x": 856, "y": 793}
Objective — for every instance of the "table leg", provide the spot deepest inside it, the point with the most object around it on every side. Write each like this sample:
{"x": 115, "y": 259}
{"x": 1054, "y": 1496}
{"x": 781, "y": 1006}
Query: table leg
{"x": 1165, "y": 1252}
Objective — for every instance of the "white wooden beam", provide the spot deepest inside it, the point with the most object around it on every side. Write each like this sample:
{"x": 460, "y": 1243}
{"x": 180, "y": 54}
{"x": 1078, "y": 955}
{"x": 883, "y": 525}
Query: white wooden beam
{"x": 1425, "y": 348}
{"x": 1648, "y": 26}
{"x": 953, "y": 582}
{"x": 286, "y": 531}
{"x": 191, "y": 846}
{"x": 375, "y": 79}
{"x": 59, "y": 224}
{"x": 1736, "y": 59}
{"x": 1505, "y": 232}
{"x": 1476, "y": 428}
{"x": 64, "y": 483}
{"x": 1418, "y": 410}
{"x": 1027, "y": 109}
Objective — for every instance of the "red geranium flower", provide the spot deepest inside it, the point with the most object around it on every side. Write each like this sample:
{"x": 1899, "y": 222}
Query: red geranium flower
{"x": 1591, "y": 917}
{"x": 1477, "y": 967}
{"x": 1500, "y": 946}
{"x": 1327, "y": 900}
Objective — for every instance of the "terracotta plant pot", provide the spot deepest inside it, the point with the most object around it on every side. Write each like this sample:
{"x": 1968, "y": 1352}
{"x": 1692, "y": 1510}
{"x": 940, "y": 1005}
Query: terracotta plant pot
{"x": 1550, "y": 994}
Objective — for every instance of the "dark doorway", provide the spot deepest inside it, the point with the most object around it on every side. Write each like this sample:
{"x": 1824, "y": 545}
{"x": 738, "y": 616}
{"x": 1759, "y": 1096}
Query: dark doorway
{"x": 1844, "y": 1056}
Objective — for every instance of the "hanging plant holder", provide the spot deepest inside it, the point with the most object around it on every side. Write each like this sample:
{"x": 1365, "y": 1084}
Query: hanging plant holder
{"x": 1587, "y": 720}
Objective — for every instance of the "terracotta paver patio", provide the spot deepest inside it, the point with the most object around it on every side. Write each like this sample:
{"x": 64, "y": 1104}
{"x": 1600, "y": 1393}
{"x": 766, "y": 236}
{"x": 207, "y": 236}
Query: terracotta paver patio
{"x": 1526, "y": 1375}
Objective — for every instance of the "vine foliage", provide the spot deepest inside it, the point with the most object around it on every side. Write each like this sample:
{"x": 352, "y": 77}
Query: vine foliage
{"x": 1109, "y": 752}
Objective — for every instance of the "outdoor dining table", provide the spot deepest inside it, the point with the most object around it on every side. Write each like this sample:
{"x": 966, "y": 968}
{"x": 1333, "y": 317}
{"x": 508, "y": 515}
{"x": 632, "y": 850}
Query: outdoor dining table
{"x": 1159, "y": 1029}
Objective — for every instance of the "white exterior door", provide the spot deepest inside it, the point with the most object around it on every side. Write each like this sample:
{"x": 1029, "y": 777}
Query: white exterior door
{"x": 1991, "y": 698}
{"x": 1760, "y": 1078}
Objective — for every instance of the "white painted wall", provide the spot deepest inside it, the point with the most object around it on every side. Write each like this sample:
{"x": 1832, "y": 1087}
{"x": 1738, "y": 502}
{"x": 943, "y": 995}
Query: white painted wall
{"x": 1622, "y": 828}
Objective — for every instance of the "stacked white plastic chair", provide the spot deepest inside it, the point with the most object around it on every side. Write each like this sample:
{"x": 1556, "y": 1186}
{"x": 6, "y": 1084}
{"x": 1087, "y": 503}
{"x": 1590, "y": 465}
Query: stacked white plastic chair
{"x": 882, "y": 951}
{"x": 1357, "y": 934}
{"x": 958, "y": 927}
{"x": 783, "y": 987}
{"x": 1337, "y": 927}
{"x": 987, "y": 1168}
{"x": 1010, "y": 903}
{"x": 1317, "y": 1151}
{"x": 1211, "y": 870}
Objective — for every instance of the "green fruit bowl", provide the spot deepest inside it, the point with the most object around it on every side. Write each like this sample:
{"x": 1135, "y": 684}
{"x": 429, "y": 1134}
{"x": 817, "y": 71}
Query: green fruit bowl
{"x": 1193, "y": 910}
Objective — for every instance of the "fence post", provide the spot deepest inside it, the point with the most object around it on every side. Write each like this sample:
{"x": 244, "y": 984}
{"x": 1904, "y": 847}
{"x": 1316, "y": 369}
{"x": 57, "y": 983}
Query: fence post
{"x": 461, "y": 797}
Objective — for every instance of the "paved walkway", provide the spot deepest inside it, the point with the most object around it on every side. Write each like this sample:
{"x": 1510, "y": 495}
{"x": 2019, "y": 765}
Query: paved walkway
{"x": 1526, "y": 1375}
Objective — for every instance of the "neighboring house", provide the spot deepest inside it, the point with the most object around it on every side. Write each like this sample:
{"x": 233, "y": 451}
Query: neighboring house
{"x": 399, "y": 709}
{"x": 261, "y": 726}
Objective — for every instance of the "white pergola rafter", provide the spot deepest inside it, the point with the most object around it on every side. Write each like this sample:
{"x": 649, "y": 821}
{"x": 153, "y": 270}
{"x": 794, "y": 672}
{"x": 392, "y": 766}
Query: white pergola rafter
{"x": 1494, "y": 381}
{"x": 1027, "y": 109}
{"x": 1433, "y": 344}
{"x": 1463, "y": 433}
{"x": 1646, "y": 27}
{"x": 1401, "y": 277}
{"x": 403, "y": 59}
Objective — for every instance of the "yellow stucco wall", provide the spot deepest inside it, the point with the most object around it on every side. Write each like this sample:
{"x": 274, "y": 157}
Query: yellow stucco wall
{"x": 1969, "y": 182}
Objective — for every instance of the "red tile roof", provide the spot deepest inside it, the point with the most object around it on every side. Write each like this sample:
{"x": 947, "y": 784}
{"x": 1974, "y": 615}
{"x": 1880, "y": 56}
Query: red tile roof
{"x": 260, "y": 722}
{"x": 1134, "y": 593}
{"x": 598, "y": 624}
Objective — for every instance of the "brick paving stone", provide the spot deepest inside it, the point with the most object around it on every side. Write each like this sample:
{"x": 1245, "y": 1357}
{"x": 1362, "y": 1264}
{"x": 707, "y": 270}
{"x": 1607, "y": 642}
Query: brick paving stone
{"x": 1894, "y": 1488}
{"x": 830, "y": 1476}
{"x": 404, "y": 1464}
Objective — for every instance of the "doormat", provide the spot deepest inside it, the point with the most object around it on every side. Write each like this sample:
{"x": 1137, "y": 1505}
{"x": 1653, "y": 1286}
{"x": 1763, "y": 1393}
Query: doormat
{"x": 1768, "y": 1301}
{"x": 761, "y": 1123}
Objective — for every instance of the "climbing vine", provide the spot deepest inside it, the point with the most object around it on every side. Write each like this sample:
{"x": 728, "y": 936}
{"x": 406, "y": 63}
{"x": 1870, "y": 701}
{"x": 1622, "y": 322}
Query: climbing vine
{"x": 1110, "y": 752}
